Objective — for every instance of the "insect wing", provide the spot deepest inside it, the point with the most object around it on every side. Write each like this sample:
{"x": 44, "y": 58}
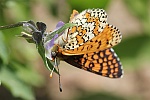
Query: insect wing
{"x": 105, "y": 63}
{"x": 91, "y": 34}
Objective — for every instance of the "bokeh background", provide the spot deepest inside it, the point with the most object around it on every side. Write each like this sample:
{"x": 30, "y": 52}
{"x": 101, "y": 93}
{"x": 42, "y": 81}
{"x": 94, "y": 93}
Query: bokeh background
{"x": 22, "y": 72}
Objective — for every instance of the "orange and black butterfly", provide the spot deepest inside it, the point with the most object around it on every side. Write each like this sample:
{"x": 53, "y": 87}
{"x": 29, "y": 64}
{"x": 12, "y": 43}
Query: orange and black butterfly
{"x": 88, "y": 45}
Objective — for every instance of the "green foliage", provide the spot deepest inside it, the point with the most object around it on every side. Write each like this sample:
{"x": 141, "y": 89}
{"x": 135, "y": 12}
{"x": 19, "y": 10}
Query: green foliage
{"x": 133, "y": 50}
{"x": 20, "y": 12}
{"x": 17, "y": 87}
{"x": 15, "y": 76}
{"x": 140, "y": 8}
{"x": 99, "y": 96}
{"x": 3, "y": 50}
{"x": 78, "y": 5}
{"x": 47, "y": 63}
{"x": 132, "y": 42}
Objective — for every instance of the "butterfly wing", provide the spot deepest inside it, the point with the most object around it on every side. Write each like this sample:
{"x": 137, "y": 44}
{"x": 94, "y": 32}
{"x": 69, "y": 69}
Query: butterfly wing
{"x": 108, "y": 38}
{"x": 91, "y": 34}
{"x": 105, "y": 63}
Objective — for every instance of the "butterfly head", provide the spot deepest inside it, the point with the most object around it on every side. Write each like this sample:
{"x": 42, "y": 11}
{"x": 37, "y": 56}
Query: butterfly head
{"x": 52, "y": 44}
{"x": 51, "y": 48}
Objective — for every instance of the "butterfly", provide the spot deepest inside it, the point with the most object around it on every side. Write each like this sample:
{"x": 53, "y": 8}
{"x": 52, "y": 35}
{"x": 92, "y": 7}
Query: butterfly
{"x": 88, "y": 45}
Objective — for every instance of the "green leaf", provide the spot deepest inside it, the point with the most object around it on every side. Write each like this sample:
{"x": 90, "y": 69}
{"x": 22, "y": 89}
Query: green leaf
{"x": 131, "y": 49}
{"x": 140, "y": 8}
{"x": 24, "y": 73}
{"x": 16, "y": 86}
{"x": 87, "y": 4}
{"x": 46, "y": 61}
{"x": 3, "y": 50}
{"x": 99, "y": 96}
{"x": 21, "y": 11}
{"x": 144, "y": 53}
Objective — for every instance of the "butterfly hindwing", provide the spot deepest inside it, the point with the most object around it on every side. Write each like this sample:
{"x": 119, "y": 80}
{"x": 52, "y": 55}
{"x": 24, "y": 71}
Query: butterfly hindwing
{"x": 105, "y": 63}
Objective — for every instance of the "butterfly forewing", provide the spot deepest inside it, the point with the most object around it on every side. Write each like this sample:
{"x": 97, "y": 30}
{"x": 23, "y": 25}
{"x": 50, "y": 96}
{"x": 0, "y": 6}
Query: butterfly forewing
{"x": 91, "y": 34}
{"x": 108, "y": 38}
{"x": 105, "y": 63}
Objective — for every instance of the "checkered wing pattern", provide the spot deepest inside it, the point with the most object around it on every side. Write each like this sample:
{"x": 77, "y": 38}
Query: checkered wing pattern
{"x": 91, "y": 34}
{"x": 105, "y": 63}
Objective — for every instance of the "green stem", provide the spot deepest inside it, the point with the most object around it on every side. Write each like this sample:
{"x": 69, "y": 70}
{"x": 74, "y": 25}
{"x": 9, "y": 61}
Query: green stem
{"x": 11, "y": 25}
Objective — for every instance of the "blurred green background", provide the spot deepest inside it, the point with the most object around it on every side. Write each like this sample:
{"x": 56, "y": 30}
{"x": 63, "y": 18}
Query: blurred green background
{"x": 22, "y": 72}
